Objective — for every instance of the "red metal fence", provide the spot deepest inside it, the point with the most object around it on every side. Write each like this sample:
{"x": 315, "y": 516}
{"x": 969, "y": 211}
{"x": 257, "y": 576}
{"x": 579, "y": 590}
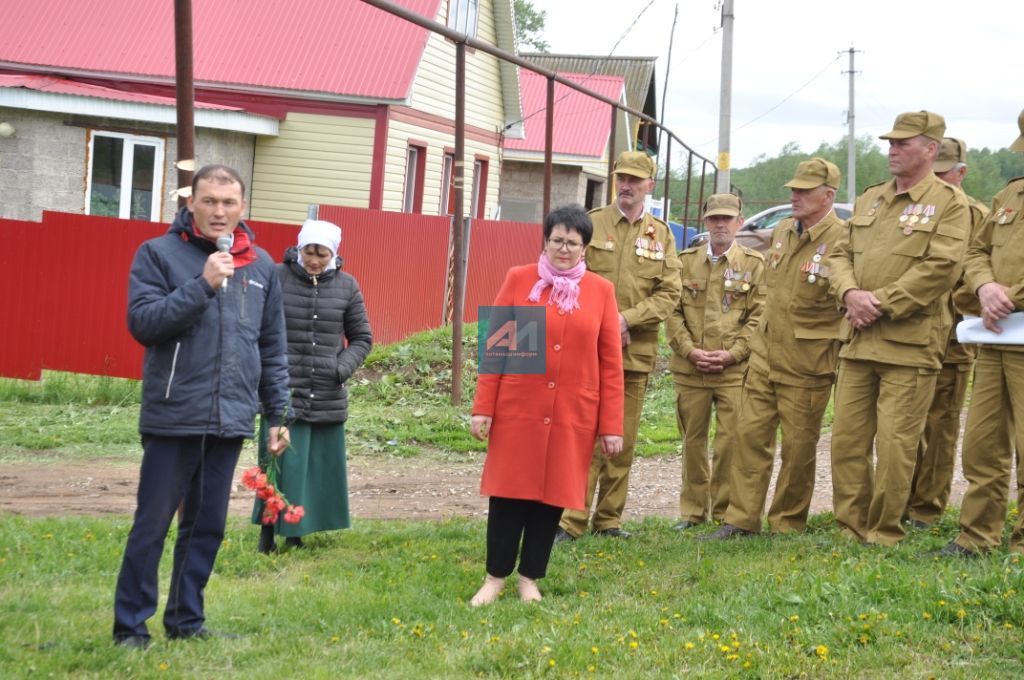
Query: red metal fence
{"x": 64, "y": 280}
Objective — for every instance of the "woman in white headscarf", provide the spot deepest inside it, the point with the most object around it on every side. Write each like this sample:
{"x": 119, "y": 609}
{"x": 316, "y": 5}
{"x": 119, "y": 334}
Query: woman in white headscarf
{"x": 328, "y": 339}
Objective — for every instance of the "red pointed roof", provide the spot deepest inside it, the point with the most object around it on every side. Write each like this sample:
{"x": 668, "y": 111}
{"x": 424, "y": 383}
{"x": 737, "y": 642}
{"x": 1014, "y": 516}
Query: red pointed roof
{"x": 53, "y": 85}
{"x": 582, "y": 123}
{"x": 336, "y": 47}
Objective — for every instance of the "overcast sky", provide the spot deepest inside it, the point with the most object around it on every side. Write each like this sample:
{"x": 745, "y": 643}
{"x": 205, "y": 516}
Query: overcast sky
{"x": 963, "y": 59}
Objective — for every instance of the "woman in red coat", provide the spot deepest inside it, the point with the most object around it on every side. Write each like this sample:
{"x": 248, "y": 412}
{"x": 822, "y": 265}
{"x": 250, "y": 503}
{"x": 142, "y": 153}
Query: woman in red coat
{"x": 542, "y": 426}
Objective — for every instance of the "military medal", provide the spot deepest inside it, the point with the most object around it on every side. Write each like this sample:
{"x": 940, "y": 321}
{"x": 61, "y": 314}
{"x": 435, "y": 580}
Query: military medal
{"x": 778, "y": 244}
{"x": 874, "y": 207}
{"x": 726, "y": 301}
{"x": 659, "y": 251}
{"x": 1005, "y": 215}
{"x": 906, "y": 213}
{"x": 811, "y": 278}
{"x": 746, "y": 282}
{"x": 908, "y": 231}
{"x": 610, "y": 243}
{"x": 929, "y": 210}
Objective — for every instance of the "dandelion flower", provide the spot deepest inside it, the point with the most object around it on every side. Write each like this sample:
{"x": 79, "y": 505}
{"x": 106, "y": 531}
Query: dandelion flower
{"x": 794, "y": 618}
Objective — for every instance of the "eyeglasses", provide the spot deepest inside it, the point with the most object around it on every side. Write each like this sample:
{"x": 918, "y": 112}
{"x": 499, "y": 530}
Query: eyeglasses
{"x": 559, "y": 243}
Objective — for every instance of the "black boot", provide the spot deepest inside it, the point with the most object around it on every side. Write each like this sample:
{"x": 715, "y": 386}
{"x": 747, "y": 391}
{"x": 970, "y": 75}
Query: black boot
{"x": 266, "y": 544}
{"x": 293, "y": 542}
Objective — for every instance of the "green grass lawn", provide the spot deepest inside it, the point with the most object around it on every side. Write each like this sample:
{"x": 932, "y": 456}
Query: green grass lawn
{"x": 389, "y": 600}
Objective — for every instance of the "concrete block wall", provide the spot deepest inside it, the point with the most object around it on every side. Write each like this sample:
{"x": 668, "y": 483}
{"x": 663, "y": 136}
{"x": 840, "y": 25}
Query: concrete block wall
{"x": 44, "y": 165}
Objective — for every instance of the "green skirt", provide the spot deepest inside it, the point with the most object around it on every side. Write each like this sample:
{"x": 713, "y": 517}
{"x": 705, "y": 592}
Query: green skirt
{"x": 312, "y": 473}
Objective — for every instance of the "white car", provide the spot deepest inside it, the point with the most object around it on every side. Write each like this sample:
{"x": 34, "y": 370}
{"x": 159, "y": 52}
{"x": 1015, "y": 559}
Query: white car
{"x": 757, "y": 228}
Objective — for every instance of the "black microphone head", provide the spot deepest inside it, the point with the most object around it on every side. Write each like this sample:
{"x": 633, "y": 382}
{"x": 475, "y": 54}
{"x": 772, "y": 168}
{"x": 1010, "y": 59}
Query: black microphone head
{"x": 223, "y": 243}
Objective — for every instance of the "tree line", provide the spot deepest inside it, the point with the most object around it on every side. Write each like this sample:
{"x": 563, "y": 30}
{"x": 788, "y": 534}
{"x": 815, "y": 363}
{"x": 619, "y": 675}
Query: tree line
{"x": 762, "y": 183}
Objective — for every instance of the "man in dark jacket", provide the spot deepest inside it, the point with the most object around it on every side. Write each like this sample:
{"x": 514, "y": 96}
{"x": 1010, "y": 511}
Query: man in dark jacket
{"x": 206, "y": 303}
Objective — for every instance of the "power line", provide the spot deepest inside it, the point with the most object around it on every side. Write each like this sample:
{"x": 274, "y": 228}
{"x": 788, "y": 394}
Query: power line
{"x": 783, "y": 101}
{"x": 593, "y": 73}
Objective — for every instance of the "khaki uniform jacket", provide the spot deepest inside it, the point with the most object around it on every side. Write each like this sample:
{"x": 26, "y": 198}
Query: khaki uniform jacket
{"x": 797, "y": 341}
{"x": 719, "y": 307}
{"x": 910, "y": 266}
{"x": 956, "y": 353}
{"x": 996, "y": 252}
{"x": 646, "y": 285}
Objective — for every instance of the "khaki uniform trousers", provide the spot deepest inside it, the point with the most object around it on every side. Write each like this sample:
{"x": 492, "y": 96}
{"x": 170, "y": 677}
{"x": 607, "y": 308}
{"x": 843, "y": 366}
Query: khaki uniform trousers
{"x": 763, "y": 407}
{"x": 704, "y": 491}
{"x": 890, "y": 401}
{"x": 988, "y": 451}
{"x": 609, "y": 477}
{"x": 936, "y": 453}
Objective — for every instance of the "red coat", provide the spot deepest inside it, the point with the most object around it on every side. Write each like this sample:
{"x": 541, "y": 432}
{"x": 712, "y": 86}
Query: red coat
{"x": 544, "y": 426}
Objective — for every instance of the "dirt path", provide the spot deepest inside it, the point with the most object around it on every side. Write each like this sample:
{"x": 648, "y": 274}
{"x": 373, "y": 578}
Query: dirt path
{"x": 428, "y": 487}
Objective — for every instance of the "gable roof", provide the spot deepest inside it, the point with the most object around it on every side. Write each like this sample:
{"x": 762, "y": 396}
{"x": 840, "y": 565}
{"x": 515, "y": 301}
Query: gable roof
{"x": 343, "y": 48}
{"x": 581, "y": 124}
{"x": 638, "y": 72}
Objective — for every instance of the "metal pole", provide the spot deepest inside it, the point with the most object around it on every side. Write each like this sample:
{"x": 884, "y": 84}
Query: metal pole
{"x": 458, "y": 224}
{"x": 611, "y": 156}
{"x": 851, "y": 144}
{"x": 185, "y": 95}
{"x": 668, "y": 65}
{"x": 549, "y": 137}
{"x": 668, "y": 174}
{"x": 689, "y": 176}
{"x": 725, "y": 102}
{"x": 703, "y": 175}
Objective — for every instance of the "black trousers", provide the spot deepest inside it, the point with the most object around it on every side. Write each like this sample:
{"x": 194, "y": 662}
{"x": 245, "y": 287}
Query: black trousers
{"x": 173, "y": 469}
{"x": 511, "y": 521}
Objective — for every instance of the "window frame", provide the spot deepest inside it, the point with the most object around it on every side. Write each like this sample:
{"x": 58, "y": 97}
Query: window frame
{"x": 460, "y": 13}
{"x": 415, "y": 177}
{"x": 129, "y": 143}
{"x": 478, "y": 202}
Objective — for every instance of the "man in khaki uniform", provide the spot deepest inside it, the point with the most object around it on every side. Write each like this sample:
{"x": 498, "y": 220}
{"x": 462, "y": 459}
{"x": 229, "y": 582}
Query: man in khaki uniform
{"x": 794, "y": 354}
{"x": 709, "y": 331}
{"x": 936, "y": 453}
{"x": 892, "y": 270}
{"x": 995, "y": 272}
{"x": 636, "y": 252}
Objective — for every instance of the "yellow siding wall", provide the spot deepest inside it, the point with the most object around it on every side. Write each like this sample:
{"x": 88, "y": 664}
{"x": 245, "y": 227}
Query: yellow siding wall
{"x": 399, "y": 134}
{"x": 433, "y": 90}
{"x": 315, "y": 159}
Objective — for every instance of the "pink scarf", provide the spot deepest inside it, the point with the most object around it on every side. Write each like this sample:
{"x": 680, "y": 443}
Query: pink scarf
{"x": 565, "y": 284}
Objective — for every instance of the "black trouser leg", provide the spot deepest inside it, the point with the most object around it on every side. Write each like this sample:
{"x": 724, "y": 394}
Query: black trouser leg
{"x": 512, "y": 520}
{"x": 538, "y": 537}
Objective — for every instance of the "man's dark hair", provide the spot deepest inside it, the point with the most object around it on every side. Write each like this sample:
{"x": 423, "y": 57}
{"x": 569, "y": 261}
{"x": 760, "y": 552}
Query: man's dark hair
{"x": 221, "y": 174}
{"x": 573, "y": 218}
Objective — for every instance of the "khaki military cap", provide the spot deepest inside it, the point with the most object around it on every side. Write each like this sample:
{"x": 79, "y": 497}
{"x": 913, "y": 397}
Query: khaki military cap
{"x": 811, "y": 174}
{"x": 723, "y": 204}
{"x": 914, "y": 123}
{"x": 951, "y": 152}
{"x": 1018, "y": 144}
{"x": 635, "y": 163}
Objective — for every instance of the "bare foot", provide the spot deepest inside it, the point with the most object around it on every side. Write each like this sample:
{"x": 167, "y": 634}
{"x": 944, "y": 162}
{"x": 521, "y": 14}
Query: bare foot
{"x": 528, "y": 590}
{"x": 488, "y": 592}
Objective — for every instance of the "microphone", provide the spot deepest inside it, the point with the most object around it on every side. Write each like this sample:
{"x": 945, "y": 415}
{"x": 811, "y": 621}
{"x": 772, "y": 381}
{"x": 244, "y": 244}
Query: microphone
{"x": 223, "y": 246}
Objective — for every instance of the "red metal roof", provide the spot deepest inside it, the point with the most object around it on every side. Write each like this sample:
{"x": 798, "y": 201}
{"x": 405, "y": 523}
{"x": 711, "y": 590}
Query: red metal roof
{"x": 339, "y": 47}
{"x": 55, "y": 85}
{"x": 582, "y": 123}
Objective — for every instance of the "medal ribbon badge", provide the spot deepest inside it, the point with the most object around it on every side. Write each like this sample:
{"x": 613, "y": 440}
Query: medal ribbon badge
{"x": 929, "y": 212}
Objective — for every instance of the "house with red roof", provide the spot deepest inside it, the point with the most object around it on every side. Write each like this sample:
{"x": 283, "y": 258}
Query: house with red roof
{"x": 315, "y": 102}
{"x": 582, "y": 141}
